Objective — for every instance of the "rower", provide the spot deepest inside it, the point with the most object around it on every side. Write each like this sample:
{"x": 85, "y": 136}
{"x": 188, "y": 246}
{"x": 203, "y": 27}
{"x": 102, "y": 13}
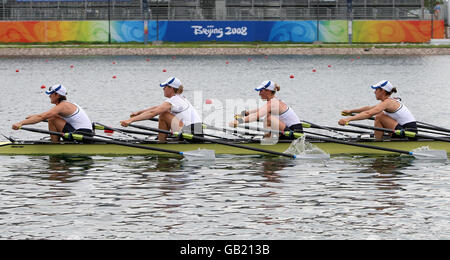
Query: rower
{"x": 278, "y": 115}
{"x": 175, "y": 113}
{"x": 389, "y": 113}
{"x": 65, "y": 116}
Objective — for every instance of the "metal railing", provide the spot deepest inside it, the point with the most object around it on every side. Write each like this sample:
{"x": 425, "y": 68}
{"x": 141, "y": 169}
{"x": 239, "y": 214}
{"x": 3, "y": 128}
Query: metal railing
{"x": 133, "y": 10}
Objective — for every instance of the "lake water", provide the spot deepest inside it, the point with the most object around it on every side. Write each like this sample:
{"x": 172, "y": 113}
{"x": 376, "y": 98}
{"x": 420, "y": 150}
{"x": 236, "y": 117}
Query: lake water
{"x": 233, "y": 197}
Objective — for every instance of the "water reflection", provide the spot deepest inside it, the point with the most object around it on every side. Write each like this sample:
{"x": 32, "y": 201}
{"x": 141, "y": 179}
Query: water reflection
{"x": 65, "y": 168}
{"x": 391, "y": 165}
{"x": 271, "y": 168}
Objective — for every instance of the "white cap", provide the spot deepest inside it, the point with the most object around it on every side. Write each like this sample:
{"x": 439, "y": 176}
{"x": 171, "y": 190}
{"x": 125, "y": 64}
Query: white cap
{"x": 58, "y": 89}
{"x": 384, "y": 84}
{"x": 172, "y": 82}
{"x": 267, "y": 84}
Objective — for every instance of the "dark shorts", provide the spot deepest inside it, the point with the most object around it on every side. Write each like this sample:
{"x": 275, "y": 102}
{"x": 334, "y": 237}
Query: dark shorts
{"x": 295, "y": 128}
{"x": 68, "y": 128}
{"x": 411, "y": 127}
{"x": 196, "y": 129}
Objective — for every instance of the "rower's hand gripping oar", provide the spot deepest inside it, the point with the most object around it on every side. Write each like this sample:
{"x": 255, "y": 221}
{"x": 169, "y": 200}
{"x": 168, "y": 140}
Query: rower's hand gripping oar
{"x": 191, "y": 136}
{"x": 191, "y": 155}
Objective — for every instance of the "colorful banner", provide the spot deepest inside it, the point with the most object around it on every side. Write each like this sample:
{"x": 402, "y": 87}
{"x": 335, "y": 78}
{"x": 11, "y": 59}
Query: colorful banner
{"x": 396, "y": 31}
{"x": 334, "y": 31}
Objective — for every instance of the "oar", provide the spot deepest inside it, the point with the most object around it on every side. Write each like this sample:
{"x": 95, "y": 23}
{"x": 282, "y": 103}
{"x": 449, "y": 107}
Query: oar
{"x": 435, "y": 154}
{"x": 79, "y": 137}
{"x": 283, "y": 133}
{"x": 420, "y": 124}
{"x": 207, "y": 126}
{"x": 306, "y": 123}
{"x": 432, "y": 127}
{"x": 193, "y": 137}
{"x": 100, "y": 126}
{"x": 401, "y": 132}
{"x": 9, "y": 138}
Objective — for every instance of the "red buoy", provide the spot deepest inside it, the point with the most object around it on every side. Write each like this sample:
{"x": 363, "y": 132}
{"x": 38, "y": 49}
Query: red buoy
{"x": 43, "y": 86}
{"x": 114, "y": 77}
{"x": 292, "y": 76}
{"x": 208, "y": 101}
{"x": 17, "y": 70}
{"x": 164, "y": 70}
{"x": 314, "y": 70}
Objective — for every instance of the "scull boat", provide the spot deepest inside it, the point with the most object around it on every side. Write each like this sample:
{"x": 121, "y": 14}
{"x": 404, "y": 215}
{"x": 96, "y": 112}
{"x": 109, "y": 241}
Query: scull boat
{"x": 99, "y": 148}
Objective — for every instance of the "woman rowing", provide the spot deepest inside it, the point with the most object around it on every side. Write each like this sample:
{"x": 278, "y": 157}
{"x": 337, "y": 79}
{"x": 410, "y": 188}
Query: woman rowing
{"x": 390, "y": 113}
{"x": 278, "y": 115}
{"x": 65, "y": 116}
{"x": 175, "y": 113}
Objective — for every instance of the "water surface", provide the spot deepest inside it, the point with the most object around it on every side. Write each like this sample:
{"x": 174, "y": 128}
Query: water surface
{"x": 234, "y": 197}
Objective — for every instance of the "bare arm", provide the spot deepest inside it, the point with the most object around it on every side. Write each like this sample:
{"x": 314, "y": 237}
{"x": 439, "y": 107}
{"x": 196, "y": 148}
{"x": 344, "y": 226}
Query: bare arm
{"x": 356, "y": 110}
{"x": 142, "y": 111}
{"x": 365, "y": 114}
{"x": 253, "y": 115}
{"x": 148, "y": 113}
{"x": 34, "y": 119}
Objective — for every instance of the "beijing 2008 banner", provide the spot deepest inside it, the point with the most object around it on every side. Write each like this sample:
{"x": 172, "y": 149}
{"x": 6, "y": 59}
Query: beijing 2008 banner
{"x": 335, "y": 31}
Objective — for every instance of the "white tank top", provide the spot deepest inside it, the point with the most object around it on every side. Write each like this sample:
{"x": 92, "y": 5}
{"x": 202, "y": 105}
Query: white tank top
{"x": 79, "y": 119}
{"x": 402, "y": 114}
{"x": 289, "y": 117}
{"x": 183, "y": 110}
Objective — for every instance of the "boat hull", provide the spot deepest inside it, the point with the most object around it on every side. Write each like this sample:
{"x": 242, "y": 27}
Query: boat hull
{"x": 118, "y": 150}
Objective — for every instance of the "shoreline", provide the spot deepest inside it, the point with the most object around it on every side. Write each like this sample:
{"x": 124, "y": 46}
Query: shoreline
{"x": 78, "y": 50}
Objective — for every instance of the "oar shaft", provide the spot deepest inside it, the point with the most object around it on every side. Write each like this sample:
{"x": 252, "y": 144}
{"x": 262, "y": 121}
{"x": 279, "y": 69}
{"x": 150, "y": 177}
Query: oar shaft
{"x": 92, "y": 139}
{"x": 100, "y": 126}
{"x": 407, "y": 133}
{"x": 333, "y": 140}
{"x": 190, "y": 136}
{"x": 420, "y": 124}
{"x": 360, "y": 145}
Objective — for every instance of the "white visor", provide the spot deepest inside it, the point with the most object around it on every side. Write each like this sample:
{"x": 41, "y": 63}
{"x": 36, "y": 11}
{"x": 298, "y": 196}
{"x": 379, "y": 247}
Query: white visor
{"x": 384, "y": 84}
{"x": 171, "y": 82}
{"x": 58, "y": 89}
{"x": 267, "y": 84}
